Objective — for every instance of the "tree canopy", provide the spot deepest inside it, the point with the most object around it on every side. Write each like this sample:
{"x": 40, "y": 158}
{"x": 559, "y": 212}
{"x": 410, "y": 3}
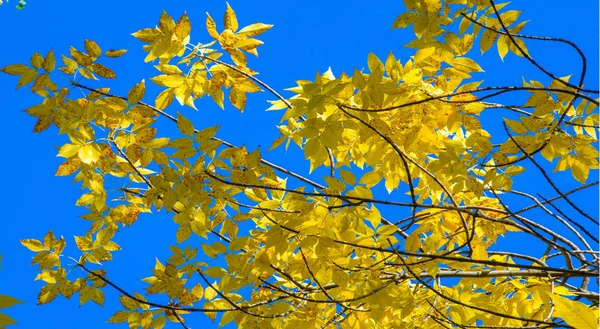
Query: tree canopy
{"x": 401, "y": 217}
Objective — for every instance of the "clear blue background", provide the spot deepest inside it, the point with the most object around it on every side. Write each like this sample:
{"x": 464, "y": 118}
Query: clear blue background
{"x": 308, "y": 36}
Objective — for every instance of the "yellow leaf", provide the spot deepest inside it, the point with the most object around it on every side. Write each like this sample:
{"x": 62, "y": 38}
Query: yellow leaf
{"x": 248, "y": 43}
{"x": 237, "y": 98}
{"x": 580, "y": 171}
{"x": 15, "y": 69}
{"x": 502, "y": 45}
{"x": 47, "y": 294}
{"x": 348, "y": 177}
{"x": 166, "y": 80}
{"x": 145, "y": 135}
{"x": 92, "y": 48}
{"x": 7, "y": 301}
{"x": 103, "y": 71}
{"x": 98, "y": 296}
{"x": 509, "y": 17}
{"x": 6, "y": 320}
{"x": 370, "y": 179}
{"x": 183, "y": 233}
{"x": 229, "y": 19}
{"x": 137, "y": 92}
{"x": 238, "y": 57}
{"x": 27, "y": 77}
{"x": 146, "y": 319}
{"x": 206, "y": 134}
{"x": 68, "y": 150}
{"x": 148, "y": 34}
{"x": 159, "y": 322}
{"x": 86, "y": 294}
{"x": 33, "y": 245}
{"x": 83, "y": 243}
{"x": 166, "y": 24}
{"x": 40, "y": 82}
{"x": 575, "y": 314}
{"x": 211, "y": 27}
{"x": 488, "y": 37}
{"x": 183, "y": 27}
{"x": 49, "y": 62}
{"x": 119, "y": 317}
{"x": 215, "y": 272}
{"x": 81, "y": 58}
{"x": 216, "y": 82}
{"x": 517, "y": 51}
{"x": 210, "y": 292}
{"x": 112, "y": 53}
{"x": 88, "y": 153}
{"x": 413, "y": 242}
{"x": 479, "y": 253}
{"x": 68, "y": 167}
{"x": 465, "y": 64}
{"x": 374, "y": 63}
{"x": 36, "y": 60}
{"x": 164, "y": 99}
{"x": 387, "y": 229}
{"x": 254, "y": 29}
{"x": 405, "y": 20}
{"x": 49, "y": 240}
{"x": 128, "y": 303}
{"x": 184, "y": 125}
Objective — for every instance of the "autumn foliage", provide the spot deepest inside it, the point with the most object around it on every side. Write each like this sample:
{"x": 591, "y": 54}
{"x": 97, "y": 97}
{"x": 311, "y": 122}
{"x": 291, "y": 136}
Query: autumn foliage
{"x": 327, "y": 251}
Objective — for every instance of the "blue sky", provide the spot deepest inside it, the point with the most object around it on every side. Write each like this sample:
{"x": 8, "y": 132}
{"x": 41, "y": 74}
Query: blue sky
{"x": 308, "y": 36}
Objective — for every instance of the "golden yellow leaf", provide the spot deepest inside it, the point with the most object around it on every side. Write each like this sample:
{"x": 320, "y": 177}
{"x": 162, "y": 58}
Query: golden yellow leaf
{"x": 7, "y": 301}
{"x": 405, "y": 19}
{"x": 36, "y": 60}
{"x": 27, "y": 77}
{"x": 185, "y": 125}
{"x": 502, "y": 44}
{"x": 92, "y": 48}
{"x": 147, "y": 35}
{"x": 374, "y": 63}
{"x": 254, "y": 29}
{"x": 119, "y": 317}
{"x": 103, "y": 71}
{"x": 575, "y": 314}
{"x": 229, "y": 19}
{"x": 68, "y": 167}
{"x": 159, "y": 322}
{"x": 183, "y": 233}
{"x": 128, "y": 303}
{"x": 215, "y": 272}
{"x": 168, "y": 80}
{"x": 248, "y": 44}
{"x": 137, "y": 92}
{"x": 49, "y": 62}
{"x": 183, "y": 27}
{"x": 237, "y": 98}
{"x": 47, "y": 294}
{"x": 88, "y": 153}
{"x": 81, "y": 58}
{"x": 488, "y": 37}
{"x": 164, "y": 99}
{"x": 210, "y": 293}
{"x": 15, "y": 69}
{"x": 238, "y": 57}
{"x": 211, "y": 27}
{"x": 114, "y": 53}
{"x": 33, "y": 245}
